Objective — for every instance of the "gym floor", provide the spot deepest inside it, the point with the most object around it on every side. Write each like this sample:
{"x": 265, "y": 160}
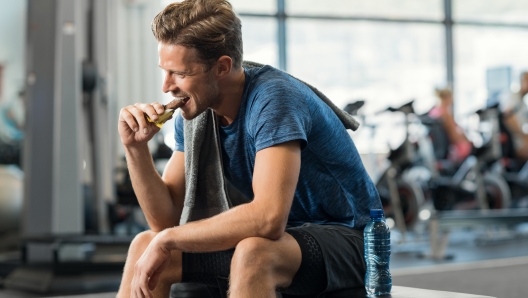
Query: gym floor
{"x": 486, "y": 261}
{"x": 489, "y": 262}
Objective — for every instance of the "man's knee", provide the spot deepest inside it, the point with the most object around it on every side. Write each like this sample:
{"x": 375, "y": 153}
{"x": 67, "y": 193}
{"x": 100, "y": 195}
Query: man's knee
{"x": 252, "y": 254}
{"x": 141, "y": 241}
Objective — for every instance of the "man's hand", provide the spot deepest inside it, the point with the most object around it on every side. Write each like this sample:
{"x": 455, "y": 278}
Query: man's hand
{"x": 133, "y": 127}
{"x": 149, "y": 267}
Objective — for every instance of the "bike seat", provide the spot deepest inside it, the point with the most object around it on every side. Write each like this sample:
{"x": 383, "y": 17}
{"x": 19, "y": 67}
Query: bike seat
{"x": 353, "y": 108}
{"x": 406, "y": 108}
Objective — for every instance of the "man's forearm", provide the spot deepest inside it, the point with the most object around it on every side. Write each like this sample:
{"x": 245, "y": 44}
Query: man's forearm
{"x": 152, "y": 193}
{"x": 224, "y": 230}
{"x": 274, "y": 182}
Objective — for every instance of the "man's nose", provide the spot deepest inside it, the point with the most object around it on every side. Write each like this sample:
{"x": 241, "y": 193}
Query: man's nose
{"x": 168, "y": 84}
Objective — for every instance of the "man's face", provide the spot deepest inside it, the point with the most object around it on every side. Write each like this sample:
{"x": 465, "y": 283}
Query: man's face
{"x": 186, "y": 78}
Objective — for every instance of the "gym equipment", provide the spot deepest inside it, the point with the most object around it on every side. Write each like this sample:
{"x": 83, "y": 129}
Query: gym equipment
{"x": 469, "y": 185}
{"x": 396, "y": 191}
{"x": 69, "y": 264}
{"x": 67, "y": 150}
{"x": 11, "y": 178}
{"x": 514, "y": 170}
{"x": 401, "y": 198}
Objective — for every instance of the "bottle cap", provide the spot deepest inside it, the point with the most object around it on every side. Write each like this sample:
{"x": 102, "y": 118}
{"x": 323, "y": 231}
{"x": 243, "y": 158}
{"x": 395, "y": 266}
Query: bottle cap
{"x": 376, "y": 213}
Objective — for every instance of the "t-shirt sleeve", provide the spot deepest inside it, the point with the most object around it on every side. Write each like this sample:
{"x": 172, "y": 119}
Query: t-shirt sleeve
{"x": 278, "y": 114}
{"x": 178, "y": 133}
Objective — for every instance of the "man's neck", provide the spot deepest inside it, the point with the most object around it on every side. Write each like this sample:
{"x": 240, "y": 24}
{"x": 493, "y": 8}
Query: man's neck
{"x": 231, "y": 93}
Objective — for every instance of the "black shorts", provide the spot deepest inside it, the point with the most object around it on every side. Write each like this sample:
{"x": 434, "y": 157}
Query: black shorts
{"x": 332, "y": 260}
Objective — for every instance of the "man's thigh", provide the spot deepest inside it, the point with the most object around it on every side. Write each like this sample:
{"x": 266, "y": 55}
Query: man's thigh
{"x": 331, "y": 259}
{"x": 283, "y": 255}
{"x": 342, "y": 252}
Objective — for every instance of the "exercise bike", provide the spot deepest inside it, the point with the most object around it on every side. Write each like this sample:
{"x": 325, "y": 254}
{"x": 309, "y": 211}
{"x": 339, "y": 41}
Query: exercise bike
{"x": 470, "y": 184}
{"x": 513, "y": 169}
{"x": 401, "y": 198}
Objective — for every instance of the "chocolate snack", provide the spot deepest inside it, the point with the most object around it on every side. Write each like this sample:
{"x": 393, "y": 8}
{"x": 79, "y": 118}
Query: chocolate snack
{"x": 169, "y": 110}
{"x": 176, "y": 103}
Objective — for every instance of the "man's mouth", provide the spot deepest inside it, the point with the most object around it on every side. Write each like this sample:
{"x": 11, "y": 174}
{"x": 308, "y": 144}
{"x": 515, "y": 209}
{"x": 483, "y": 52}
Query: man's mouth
{"x": 178, "y": 102}
{"x": 185, "y": 99}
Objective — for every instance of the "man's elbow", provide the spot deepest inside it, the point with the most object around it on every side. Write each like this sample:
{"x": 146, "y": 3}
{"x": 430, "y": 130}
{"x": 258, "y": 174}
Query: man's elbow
{"x": 273, "y": 228}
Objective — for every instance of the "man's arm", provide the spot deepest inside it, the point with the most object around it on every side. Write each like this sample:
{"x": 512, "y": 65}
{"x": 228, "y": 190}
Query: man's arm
{"x": 161, "y": 199}
{"x": 274, "y": 182}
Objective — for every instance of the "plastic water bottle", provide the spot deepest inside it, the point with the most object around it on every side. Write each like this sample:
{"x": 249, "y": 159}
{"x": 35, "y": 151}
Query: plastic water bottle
{"x": 378, "y": 280}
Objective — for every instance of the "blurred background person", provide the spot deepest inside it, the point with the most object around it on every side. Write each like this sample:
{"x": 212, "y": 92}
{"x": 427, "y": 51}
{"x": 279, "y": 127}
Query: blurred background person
{"x": 459, "y": 145}
{"x": 12, "y": 120}
{"x": 516, "y": 118}
{"x": 11, "y": 125}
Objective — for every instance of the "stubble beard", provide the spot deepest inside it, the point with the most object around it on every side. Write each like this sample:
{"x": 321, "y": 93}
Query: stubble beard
{"x": 210, "y": 99}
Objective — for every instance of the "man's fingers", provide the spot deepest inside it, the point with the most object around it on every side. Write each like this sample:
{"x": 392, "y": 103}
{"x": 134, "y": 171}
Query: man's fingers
{"x": 147, "y": 270}
{"x": 153, "y": 110}
{"x": 134, "y": 289}
{"x": 139, "y": 293}
{"x": 139, "y": 285}
{"x": 130, "y": 120}
{"x": 140, "y": 281}
{"x": 144, "y": 285}
{"x": 144, "y": 126}
{"x": 140, "y": 117}
{"x": 153, "y": 281}
{"x": 160, "y": 109}
{"x": 134, "y": 116}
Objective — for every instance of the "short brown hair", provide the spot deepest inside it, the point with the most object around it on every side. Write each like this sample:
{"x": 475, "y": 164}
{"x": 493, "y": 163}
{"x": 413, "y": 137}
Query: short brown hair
{"x": 209, "y": 26}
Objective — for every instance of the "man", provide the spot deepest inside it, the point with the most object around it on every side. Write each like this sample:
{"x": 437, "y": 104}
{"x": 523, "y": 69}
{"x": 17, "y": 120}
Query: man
{"x": 282, "y": 147}
{"x": 516, "y": 118}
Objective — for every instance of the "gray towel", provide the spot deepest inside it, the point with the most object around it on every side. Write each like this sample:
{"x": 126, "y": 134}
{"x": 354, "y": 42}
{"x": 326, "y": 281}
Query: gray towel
{"x": 207, "y": 192}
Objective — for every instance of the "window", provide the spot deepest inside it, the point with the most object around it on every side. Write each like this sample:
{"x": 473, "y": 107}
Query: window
{"x": 419, "y": 9}
{"x": 256, "y": 7}
{"x": 385, "y": 64}
{"x": 260, "y": 40}
{"x": 478, "y": 49}
{"x": 498, "y": 11}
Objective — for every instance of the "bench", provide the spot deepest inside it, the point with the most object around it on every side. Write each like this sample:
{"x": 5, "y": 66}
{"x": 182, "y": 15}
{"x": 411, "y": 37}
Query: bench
{"x": 397, "y": 292}
{"x": 406, "y": 292}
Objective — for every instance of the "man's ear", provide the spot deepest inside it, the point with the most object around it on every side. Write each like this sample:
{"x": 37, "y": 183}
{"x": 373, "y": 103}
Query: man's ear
{"x": 223, "y": 66}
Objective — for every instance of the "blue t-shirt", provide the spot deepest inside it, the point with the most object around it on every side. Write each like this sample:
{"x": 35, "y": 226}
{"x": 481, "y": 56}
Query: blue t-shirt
{"x": 333, "y": 186}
